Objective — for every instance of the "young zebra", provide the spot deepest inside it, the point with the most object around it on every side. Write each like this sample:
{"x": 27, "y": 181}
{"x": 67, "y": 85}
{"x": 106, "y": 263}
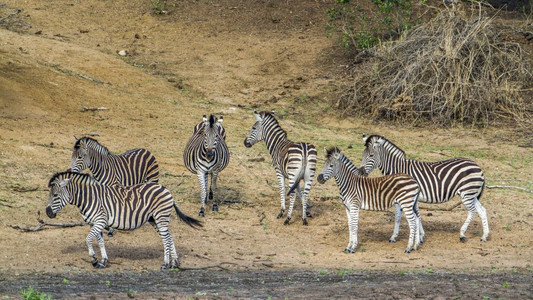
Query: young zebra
{"x": 206, "y": 153}
{"x": 378, "y": 193}
{"x": 130, "y": 168}
{"x": 118, "y": 207}
{"x": 439, "y": 181}
{"x": 294, "y": 161}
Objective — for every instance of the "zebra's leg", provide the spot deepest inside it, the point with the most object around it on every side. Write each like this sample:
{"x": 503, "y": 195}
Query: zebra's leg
{"x": 212, "y": 188}
{"x": 353, "y": 226}
{"x": 397, "y": 219}
{"x": 469, "y": 202}
{"x": 412, "y": 220}
{"x": 420, "y": 230}
{"x": 291, "y": 207}
{"x": 307, "y": 209}
{"x": 281, "y": 182}
{"x": 168, "y": 242}
{"x": 96, "y": 232}
{"x": 202, "y": 178}
{"x": 482, "y": 212}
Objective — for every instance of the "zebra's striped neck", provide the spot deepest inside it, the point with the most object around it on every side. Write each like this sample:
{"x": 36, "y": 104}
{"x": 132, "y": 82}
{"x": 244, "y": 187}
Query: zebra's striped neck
{"x": 347, "y": 171}
{"x": 392, "y": 159}
{"x": 274, "y": 136}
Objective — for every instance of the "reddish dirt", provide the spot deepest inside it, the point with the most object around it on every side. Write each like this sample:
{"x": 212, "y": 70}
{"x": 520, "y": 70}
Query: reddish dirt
{"x": 226, "y": 57}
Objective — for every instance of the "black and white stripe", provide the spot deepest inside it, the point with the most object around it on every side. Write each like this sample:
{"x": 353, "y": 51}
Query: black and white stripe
{"x": 378, "y": 193}
{"x": 294, "y": 161}
{"x": 118, "y": 207}
{"x": 206, "y": 153}
{"x": 132, "y": 167}
{"x": 439, "y": 181}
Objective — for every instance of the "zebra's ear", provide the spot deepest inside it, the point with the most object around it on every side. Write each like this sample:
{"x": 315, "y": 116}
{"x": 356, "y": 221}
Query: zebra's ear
{"x": 381, "y": 141}
{"x": 205, "y": 118}
{"x": 220, "y": 120}
{"x": 325, "y": 151}
{"x": 257, "y": 116}
{"x": 364, "y": 138}
{"x": 63, "y": 183}
{"x": 273, "y": 112}
{"x": 75, "y": 138}
{"x": 337, "y": 155}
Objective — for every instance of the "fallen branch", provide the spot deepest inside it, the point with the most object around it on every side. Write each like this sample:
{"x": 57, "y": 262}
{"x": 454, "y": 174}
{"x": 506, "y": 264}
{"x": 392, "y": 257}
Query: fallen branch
{"x": 43, "y": 223}
{"x": 508, "y": 187}
{"x": 210, "y": 267}
{"x": 441, "y": 209}
{"x": 84, "y": 109}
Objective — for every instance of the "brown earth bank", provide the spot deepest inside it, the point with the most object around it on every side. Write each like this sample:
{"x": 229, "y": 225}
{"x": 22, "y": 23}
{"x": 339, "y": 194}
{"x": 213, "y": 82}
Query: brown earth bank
{"x": 230, "y": 57}
{"x": 280, "y": 284}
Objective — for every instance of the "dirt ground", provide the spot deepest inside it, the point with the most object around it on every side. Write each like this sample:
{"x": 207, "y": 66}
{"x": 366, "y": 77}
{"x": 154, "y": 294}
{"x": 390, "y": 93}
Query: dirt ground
{"x": 229, "y": 57}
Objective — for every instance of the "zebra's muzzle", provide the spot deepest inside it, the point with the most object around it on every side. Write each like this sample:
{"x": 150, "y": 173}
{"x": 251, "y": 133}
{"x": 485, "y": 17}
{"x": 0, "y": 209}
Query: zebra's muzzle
{"x": 210, "y": 154}
{"x": 50, "y": 213}
{"x": 247, "y": 144}
{"x": 320, "y": 178}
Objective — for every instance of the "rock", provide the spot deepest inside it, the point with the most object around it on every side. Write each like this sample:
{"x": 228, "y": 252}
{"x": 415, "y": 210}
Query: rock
{"x": 122, "y": 53}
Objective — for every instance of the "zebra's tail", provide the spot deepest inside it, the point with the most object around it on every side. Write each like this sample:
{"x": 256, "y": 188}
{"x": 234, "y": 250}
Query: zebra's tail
{"x": 294, "y": 186}
{"x": 188, "y": 220}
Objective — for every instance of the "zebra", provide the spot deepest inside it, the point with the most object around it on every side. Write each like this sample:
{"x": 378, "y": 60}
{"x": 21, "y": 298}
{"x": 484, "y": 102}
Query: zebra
{"x": 294, "y": 161}
{"x": 130, "y": 168}
{"x": 377, "y": 193}
{"x": 439, "y": 181}
{"x": 119, "y": 207}
{"x": 206, "y": 153}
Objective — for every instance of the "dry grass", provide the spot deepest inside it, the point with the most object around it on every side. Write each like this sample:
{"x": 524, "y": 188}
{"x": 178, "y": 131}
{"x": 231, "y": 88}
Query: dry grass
{"x": 452, "y": 70}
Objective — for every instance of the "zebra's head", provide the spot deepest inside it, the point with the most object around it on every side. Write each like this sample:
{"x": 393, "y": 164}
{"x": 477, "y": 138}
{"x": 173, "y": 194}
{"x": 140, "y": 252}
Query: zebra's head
{"x": 80, "y": 155}
{"x": 59, "y": 195}
{"x": 372, "y": 152}
{"x": 256, "y": 134}
{"x": 332, "y": 164}
{"x": 212, "y": 134}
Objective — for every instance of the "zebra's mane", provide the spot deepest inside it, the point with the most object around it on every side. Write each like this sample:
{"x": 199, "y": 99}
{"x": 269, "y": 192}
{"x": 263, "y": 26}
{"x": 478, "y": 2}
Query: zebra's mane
{"x": 212, "y": 120}
{"x": 387, "y": 142}
{"x": 68, "y": 174}
{"x": 270, "y": 115}
{"x": 90, "y": 139}
{"x": 331, "y": 150}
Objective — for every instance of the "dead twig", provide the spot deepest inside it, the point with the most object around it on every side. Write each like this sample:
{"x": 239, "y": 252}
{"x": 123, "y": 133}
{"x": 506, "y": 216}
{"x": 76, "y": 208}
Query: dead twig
{"x": 43, "y": 223}
{"x": 84, "y": 109}
{"x": 24, "y": 189}
{"x": 441, "y": 209}
{"x": 509, "y": 187}
{"x": 210, "y": 267}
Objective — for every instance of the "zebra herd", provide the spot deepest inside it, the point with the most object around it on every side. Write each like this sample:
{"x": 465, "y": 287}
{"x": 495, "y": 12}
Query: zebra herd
{"x": 123, "y": 192}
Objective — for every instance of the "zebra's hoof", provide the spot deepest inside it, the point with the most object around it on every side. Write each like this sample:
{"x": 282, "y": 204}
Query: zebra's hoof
{"x": 94, "y": 262}
{"x": 349, "y": 251}
{"x": 286, "y": 221}
{"x": 164, "y": 267}
{"x": 308, "y": 214}
{"x": 392, "y": 241}
{"x": 407, "y": 251}
{"x": 483, "y": 239}
{"x": 100, "y": 266}
{"x": 305, "y": 222}
{"x": 462, "y": 239}
{"x": 280, "y": 215}
{"x": 215, "y": 208}
{"x": 201, "y": 214}
{"x": 110, "y": 234}
{"x": 210, "y": 195}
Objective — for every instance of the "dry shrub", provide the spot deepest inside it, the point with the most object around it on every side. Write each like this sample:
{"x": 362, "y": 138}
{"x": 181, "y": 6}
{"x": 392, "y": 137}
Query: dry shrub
{"x": 452, "y": 70}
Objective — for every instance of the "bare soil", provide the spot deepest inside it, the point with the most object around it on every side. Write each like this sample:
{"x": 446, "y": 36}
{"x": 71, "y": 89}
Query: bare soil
{"x": 229, "y": 57}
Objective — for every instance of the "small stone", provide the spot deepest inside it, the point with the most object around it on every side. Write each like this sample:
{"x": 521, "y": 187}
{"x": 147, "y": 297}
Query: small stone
{"x": 122, "y": 53}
